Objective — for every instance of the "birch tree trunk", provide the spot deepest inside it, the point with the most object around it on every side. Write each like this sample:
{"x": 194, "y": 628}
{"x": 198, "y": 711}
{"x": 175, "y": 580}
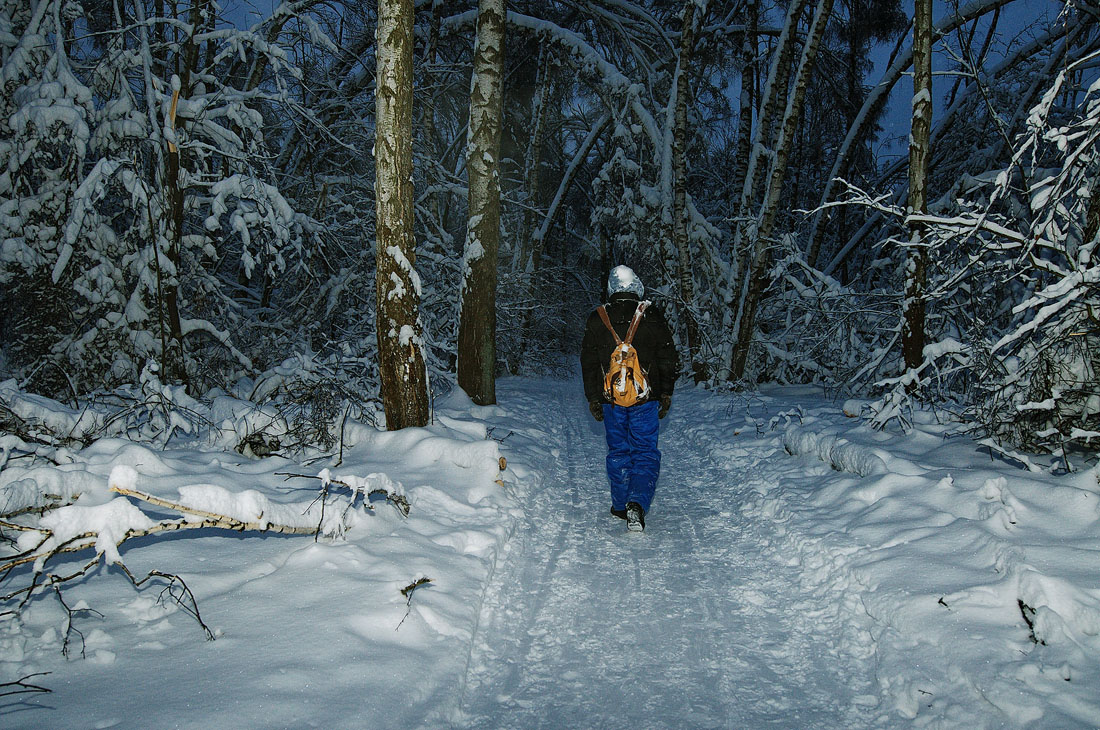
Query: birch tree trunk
{"x": 477, "y": 321}
{"x": 744, "y": 218}
{"x": 679, "y": 188}
{"x": 770, "y": 206}
{"x": 401, "y": 366}
{"x": 916, "y": 270}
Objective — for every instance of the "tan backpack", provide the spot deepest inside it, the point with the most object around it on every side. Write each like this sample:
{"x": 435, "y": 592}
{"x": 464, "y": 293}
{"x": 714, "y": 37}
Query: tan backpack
{"x": 625, "y": 382}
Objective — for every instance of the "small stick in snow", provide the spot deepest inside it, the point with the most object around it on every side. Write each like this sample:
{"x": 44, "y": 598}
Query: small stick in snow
{"x": 21, "y": 686}
{"x": 407, "y": 592}
{"x": 70, "y": 629}
{"x": 343, "y": 425}
{"x": 1029, "y": 618}
{"x": 184, "y": 598}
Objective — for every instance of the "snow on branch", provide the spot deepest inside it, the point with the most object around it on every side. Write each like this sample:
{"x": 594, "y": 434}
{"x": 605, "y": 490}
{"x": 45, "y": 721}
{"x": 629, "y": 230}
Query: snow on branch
{"x": 836, "y": 452}
{"x": 373, "y": 484}
{"x": 41, "y": 537}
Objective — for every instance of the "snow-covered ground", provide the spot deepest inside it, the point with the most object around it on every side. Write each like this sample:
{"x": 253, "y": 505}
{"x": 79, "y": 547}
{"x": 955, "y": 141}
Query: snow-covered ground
{"x": 798, "y": 570}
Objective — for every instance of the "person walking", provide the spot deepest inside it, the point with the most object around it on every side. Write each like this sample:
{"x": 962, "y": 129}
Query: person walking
{"x": 627, "y": 321}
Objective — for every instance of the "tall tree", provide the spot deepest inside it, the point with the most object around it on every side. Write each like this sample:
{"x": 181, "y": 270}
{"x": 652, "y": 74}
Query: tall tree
{"x": 404, "y": 378}
{"x": 679, "y": 185}
{"x": 916, "y": 272}
{"x": 477, "y": 322}
{"x": 756, "y": 255}
{"x": 747, "y": 98}
{"x": 744, "y": 222}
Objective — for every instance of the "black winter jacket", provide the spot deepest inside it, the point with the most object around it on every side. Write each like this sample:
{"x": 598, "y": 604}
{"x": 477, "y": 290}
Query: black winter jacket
{"x": 653, "y": 341}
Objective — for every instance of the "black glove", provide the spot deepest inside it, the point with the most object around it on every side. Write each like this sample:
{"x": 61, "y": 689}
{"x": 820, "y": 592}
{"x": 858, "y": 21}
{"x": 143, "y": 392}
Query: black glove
{"x": 666, "y": 403}
{"x": 597, "y": 409}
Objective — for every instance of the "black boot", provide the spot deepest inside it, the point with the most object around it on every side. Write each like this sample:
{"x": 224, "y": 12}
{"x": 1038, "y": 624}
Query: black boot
{"x": 620, "y": 513}
{"x": 635, "y": 517}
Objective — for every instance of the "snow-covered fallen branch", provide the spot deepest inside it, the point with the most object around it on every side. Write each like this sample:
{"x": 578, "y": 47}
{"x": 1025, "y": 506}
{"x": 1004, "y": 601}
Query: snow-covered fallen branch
{"x": 48, "y": 532}
{"x": 836, "y": 452}
{"x": 212, "y": 519}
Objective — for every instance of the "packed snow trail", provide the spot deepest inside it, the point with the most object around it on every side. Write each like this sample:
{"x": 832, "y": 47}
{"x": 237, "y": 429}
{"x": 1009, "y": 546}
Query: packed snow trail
{"x": 698, "y": 622}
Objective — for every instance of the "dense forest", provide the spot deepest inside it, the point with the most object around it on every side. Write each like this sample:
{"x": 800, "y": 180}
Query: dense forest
{"x": 351, "y": 208}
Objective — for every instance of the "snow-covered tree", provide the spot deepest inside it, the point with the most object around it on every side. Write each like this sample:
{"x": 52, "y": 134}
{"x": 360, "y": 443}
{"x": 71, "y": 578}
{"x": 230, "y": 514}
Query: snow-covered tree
{"x": 916, "y": 268}
{"x": 46, "y": 124}
{"x": 173, "y": 231}
{"x": 402, "y": 371}
{"x": 477, "y": 322}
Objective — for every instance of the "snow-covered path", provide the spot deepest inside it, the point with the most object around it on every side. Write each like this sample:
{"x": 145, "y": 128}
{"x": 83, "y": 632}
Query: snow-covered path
{"x": 695, "y": 623}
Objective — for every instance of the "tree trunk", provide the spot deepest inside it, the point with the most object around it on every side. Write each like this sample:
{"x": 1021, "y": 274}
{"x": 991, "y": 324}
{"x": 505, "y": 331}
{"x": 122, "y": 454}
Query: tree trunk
{"x": 477, "y": 322}
{"x": 173, "y": 363}
{"x": 404, "y": 378}
{"x": 916, "y": 271}
{"x": 679, "y": 189}
{"x": 775, "y": 86}
{"x": 522, "y": 260}
{"x": 770, "y": 205}
{"x": 174, "y": 367}
{"x": 526, "y": 255}
{"x": 427, "y": 109}
{"x": 744, "y": 218}
{"x": 747, "y": 101}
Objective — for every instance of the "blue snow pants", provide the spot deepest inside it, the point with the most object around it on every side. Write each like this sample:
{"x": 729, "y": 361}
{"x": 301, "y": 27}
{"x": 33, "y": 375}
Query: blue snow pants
{"x": 633, "y": 461}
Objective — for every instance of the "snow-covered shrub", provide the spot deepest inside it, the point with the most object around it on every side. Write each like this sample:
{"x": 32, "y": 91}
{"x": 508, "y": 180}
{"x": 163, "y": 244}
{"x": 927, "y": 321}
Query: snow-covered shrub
{"x": 148, "y": 225}
{"x": 813, "y": 329}
{"x": 1051, "y": 382}
{"x": 308, "y": 400}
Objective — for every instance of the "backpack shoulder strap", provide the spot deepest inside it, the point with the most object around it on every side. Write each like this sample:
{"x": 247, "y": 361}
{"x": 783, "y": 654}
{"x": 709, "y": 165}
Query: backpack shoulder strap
{"x": 635, "y": 321}
{"x": 607, "y": 323}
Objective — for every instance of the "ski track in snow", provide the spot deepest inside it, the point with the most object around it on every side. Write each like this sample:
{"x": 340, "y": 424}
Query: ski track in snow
{"x": 699, "y": 622}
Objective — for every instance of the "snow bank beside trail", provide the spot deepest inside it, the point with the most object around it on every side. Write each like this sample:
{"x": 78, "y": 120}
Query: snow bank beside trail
{"x": 470, "y": 467}
{"x": 368, "y": 626}
{"x": 973, "y": 584}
